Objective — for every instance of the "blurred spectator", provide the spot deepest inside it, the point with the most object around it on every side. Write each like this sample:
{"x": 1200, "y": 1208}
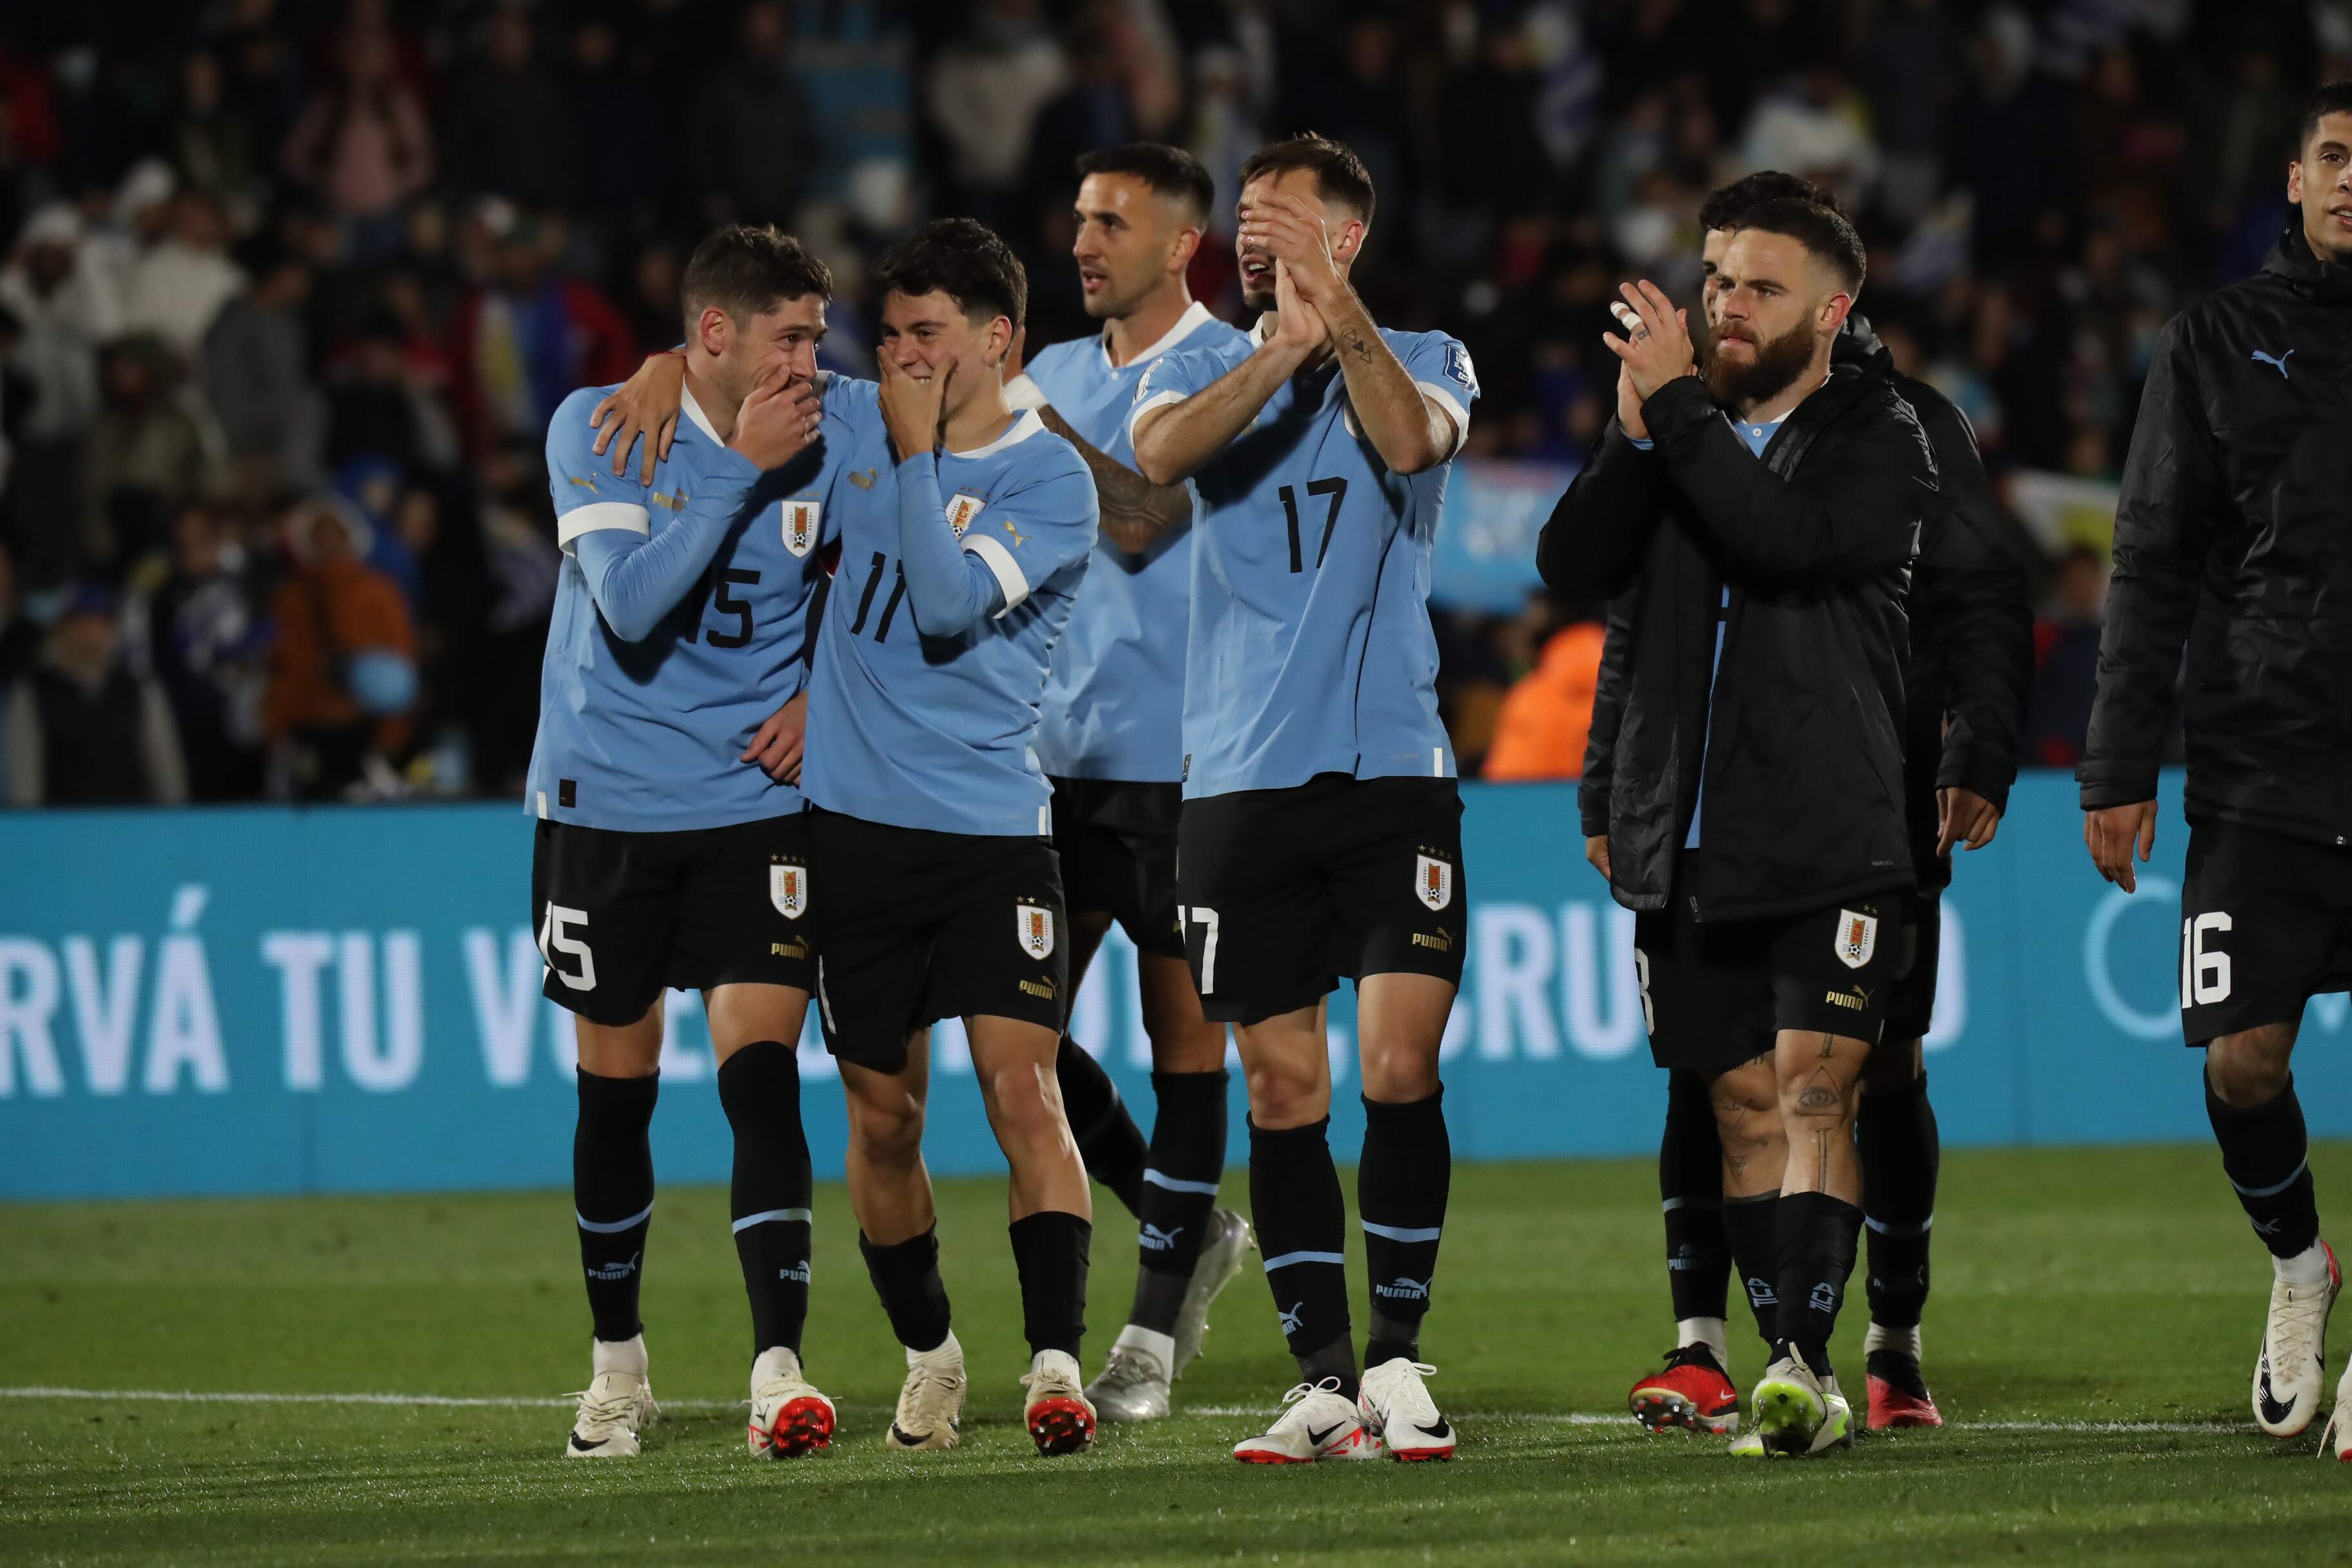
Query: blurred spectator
{"x": 517, "y": 541}
{"x": 375, "y": 406}
{"x": 1821, "y": 129}
{"x": 362, "y": 144}
{"x": 985, "y": 88}
{"x": 64, "y": 309}
{"x": 615, "y": 128}
{"x": 510, "y": 129}
{"x": 1542, "y": 731}
{"x": 753, "y": 145}
{"x": 343, "y": 675}
{"x": 213, "y": 140}
{"x": 256, "y": 369}
{"x": 146, "y": 453}
{"x": 2066, "y": 659}
{"x": 20, "y": 640}
{"x": 206, "y": 646}
{"x": 82, "y": 728}
{"x": 528, "y": 334}
{"x": 176, "y": 288}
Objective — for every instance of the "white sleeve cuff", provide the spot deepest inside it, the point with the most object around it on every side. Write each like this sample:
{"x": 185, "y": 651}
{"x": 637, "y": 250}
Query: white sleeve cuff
{"x": 1023, "y": 392}
{"x": 1157, "y": 400}
{"x": 1444, "y": 397}
{"x": 597, "y": 516}
{"x": 999, "y": 561}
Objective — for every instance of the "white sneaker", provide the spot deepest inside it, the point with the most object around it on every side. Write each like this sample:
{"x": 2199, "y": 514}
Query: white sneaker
{"x": 1226, "y": 1243}
{"x": 2293, "y": 1366}
{"x": 930, "y": 1402}
{"x": 1318, "y": 1425}
{"x": 789, "y": 1417}
{"x": 1798, "y": 1412}
{"x": 616, "y": 1403}
{"x": 1059, "y": 1417}
{"x": 1397, "y": 1405}
{"x": 1133, "y": 1384}
{"x": 2336, "y": 1437}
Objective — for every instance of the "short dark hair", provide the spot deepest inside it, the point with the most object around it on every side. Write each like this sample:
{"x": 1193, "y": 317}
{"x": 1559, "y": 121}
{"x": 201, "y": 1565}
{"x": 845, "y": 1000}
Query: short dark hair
{"x": 2328, "y": 97}
{"x": 1723, "y": 206}
{"x": 748, "y": 271}
{"x": 1169, "y": 172}
{"x": 962, "y": 259}
{"x": 1823, "y": 231}
{"x": 1339, "y": 176}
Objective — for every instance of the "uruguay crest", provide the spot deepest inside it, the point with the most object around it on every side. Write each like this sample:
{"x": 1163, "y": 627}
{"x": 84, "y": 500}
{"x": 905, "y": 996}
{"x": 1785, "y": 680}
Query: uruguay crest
{"x": 961, "y": 509}
{"x": 788, "y": 889}
{"x": 1035, "y": 929}
{"x": 1433, "y": 881}
{"x": 802, "y": 520}
{"x": 1857, "y": 938}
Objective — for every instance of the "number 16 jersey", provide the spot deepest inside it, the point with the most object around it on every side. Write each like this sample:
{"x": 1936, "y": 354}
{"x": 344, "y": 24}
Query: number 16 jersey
{"x": 1311, "y": 651}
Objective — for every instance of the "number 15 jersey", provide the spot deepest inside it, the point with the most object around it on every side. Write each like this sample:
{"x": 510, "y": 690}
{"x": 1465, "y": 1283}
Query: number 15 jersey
{"x": 1311, "y": 649}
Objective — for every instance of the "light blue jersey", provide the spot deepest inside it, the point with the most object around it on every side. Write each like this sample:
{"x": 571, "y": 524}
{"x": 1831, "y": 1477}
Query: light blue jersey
{"x": 1114, "y": 699}
{"x": 680, "y": 624}
{"x": 1311, "y": 651}
{"x": 957, "y": 576}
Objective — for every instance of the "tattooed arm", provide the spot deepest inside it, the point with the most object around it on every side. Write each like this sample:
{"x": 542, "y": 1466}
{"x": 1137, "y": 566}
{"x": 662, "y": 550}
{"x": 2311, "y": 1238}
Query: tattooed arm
{"x": 1411, "y": 432}
{"x": 1135, "y": 512}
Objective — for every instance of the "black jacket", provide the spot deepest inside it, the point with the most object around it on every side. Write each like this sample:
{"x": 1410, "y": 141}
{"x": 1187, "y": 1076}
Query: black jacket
{"x": 1803, "y": 732}
{"x": 2233, "y": 534}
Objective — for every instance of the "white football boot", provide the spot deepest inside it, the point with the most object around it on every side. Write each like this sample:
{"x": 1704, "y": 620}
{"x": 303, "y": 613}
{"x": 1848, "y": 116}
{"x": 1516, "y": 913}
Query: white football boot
{"x": 1397, "y": 1405}
{"x": 2336, "y": 1437}
{"x": 1226, "y": 1243}
{"x": 2293, "y": 1366}
{"x": 1057, "y": 1414}
{"x": 616, "y": 1404}
{"x": 1317, "y": 1423}
{"x": 1797, "y": 1413}
{"x": 789, "y": 1417}
{"x": 930, "y": 1402}
{"x": 1133, "y": 1383}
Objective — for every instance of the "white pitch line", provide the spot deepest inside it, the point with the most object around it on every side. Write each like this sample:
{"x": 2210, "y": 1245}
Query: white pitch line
{"x": 525, "y": 1402}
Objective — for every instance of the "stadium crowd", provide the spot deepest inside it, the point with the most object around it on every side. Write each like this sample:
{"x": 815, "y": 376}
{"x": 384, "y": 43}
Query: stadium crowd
{"x": 291, "y": 291}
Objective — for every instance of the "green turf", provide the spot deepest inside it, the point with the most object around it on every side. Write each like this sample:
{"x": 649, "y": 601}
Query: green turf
{"x": 2110, "y": 1287}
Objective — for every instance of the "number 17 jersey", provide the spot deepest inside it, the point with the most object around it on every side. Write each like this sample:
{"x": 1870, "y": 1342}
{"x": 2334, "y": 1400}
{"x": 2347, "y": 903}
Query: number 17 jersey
{"x": 1311, "y": 651}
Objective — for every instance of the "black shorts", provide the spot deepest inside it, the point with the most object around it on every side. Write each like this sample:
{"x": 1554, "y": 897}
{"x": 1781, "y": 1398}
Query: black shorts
{"x": 621, "y": 916}
{"x": 1911, "y": 1004}
{"x": 1284, "y": 891}
{"x": 1118, "y": 843}
{"x": 2265, "y": 925}
{"x": 917, "y": 926}
{"x": 1715, "y": 993}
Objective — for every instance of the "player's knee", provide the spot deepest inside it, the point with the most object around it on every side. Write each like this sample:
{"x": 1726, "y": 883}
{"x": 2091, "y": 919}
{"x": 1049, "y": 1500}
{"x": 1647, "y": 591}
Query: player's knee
{"x": 1400, "y": 1077}
{"x": 1023, "y": 1102}
{"x": 2248, "y": 1069}
{"x": 1286, "y": 1094}
{"x": 887, "y": 1133}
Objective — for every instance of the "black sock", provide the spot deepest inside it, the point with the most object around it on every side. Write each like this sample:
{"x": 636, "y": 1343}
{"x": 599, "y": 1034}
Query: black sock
{"x": 1401, "y": 1184}
{"x": 1818, "y": 1234}
{"x": 1896, "y": 1136}
{"x": 2265, "y": 1154}
{"x": 905, "y": 1275}
{"x": 613, "y": 1195}
{"x": 759, "y": 1087}
{"x": 1752, "y": 1228}
{"x": 1690, "y": 1186}
{"x": 1302, "y": 1231}
{"x": 1049, "y": 1252}
{"x": 1187, "y": 1156}
{"x": 1109, "y": 1140}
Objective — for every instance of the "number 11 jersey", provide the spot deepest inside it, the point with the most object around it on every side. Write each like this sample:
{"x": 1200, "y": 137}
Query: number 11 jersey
{"x": 1311, "y": 651}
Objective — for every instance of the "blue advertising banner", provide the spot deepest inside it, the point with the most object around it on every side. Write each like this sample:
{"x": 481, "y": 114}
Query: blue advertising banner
{"x": 347, "y": 1000}
{"x": 1486, "y": 553}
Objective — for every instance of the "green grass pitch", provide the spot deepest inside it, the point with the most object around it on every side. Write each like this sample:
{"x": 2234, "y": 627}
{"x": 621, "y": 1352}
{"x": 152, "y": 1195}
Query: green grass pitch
{"x": 2091, "y": 1337}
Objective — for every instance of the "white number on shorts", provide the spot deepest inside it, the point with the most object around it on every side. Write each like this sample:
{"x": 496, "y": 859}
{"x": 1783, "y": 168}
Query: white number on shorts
{"x": 1206, "y": 919}
{"x": 1641, "y": 974}
{"x": 553, "y": 939}
{"x": 2204, "y": 972}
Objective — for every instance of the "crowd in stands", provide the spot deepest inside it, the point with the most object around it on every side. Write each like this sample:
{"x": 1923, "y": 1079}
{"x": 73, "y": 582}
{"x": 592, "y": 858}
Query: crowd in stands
{"x": 290, "y": 291}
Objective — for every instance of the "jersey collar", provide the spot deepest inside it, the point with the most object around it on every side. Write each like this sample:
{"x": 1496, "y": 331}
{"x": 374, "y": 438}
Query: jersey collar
{"x": 701, "y": 420}
{"x": 1196, "y": 315}
{"x": 1028, "y": 425}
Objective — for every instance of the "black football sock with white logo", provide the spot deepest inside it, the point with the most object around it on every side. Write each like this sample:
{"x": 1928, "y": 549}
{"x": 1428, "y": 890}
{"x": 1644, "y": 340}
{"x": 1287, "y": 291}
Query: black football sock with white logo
{"x": 1179, "y": 1188}
{"x": 1401, "y": 1184}
{"x": 1896, "y": 1136}
{"x": 1108, "y": 1140}
{"x": 1818, "y": 1234}
{"x": 1302, "y": 1231}
{"x": 1752, "y": 1228}
{"x": 613, "y": 1195}
{"x": 1690, "y": 1190}
{"x": 2265, "y": 1153}
{"x": 759, "y": 1087}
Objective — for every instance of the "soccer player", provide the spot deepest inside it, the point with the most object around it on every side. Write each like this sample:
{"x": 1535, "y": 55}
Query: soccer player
{"x": 665, "y": 853}
{"x": 1321, "y": 832}
{"x": 2230, "y": 538}
{"x": 1971, "y": 653}
{"x": 1755, "y": 815}
{"x": 1111, "y": 744}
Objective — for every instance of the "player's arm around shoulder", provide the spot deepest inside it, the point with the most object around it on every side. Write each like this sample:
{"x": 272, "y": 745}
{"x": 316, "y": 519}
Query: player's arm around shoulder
{"x": 589, "y": 497}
